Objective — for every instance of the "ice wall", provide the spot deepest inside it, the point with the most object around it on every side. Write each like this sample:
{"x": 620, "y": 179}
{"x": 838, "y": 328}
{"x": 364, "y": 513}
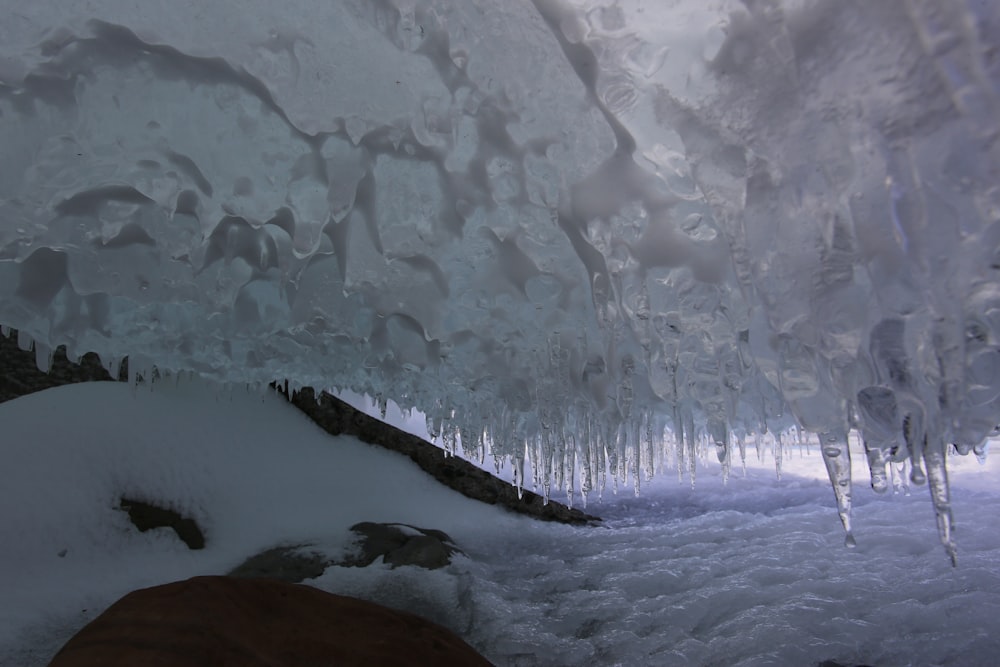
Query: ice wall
{"x": 555, "y": 227}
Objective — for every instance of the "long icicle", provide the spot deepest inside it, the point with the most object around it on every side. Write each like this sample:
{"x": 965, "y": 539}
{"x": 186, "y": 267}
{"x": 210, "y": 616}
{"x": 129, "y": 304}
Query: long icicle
{"x": 837, "y": 457}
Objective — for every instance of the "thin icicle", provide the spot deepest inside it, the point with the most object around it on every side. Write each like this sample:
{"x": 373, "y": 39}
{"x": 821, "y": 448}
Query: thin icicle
{"x": 937, "y": 484}
{"x": 679, "y": 444}
{"x": 570, "y": 470}
{"x": 650, "y": 447}
{"x": 777, "y": 455}
{"x": 878, "y": 458}
{"x": 43, "y": 357}
{"x": 900, "y": 478}
{"x": 24, "y": 341}
{"x": 915, "y": 437}
{"x": 742, "y": 443}
{"x": 692, "y": 445}
{"x": 720, "y": 437}
{"x": 517, "y": 467}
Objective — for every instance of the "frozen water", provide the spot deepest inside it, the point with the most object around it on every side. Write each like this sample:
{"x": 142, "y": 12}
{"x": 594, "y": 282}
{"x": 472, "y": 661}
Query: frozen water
{"x": 572, "y": 229}
{"x": 747, "y": 572}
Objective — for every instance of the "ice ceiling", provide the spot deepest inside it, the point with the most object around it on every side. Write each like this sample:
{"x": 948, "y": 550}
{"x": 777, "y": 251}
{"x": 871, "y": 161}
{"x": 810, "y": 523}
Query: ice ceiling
{"x": 566, "y": 225}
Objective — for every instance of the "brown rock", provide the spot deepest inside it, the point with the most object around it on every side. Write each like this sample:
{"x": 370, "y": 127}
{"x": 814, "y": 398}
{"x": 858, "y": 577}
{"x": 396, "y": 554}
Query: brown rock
{"x": 223, "y": 621}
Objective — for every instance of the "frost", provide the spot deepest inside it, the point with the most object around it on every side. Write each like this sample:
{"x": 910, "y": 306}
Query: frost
{"x": 571, "y": 233}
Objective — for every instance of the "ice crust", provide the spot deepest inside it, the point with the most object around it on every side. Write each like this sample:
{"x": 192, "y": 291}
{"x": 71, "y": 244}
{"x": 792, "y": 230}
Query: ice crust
{"x": 562, "y": 230}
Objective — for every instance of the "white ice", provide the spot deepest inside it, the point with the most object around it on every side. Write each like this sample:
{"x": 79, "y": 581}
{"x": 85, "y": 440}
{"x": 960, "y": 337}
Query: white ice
{"x": 752, "y": 572}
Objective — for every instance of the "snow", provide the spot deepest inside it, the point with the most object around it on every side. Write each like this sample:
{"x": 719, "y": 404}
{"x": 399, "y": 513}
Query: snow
{"x": 750, "y": 572}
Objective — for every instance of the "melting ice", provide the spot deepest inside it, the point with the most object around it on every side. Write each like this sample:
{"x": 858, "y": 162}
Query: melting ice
{"x": 570, "y": 231}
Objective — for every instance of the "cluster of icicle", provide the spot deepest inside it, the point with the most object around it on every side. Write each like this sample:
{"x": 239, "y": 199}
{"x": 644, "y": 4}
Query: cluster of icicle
{"x": 557, "y": 228}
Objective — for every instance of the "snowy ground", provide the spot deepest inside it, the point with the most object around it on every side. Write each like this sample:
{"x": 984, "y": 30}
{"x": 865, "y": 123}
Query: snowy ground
{"x": 748, "y": 573}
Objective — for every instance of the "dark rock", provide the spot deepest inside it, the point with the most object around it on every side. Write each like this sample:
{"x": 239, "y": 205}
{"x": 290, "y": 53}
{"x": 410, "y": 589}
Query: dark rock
{"x": 422, "y": 551}
{"x": 396, "y": 544}
{"x": 338, "y": 418}
{"x": 19, "y": 374}
{"x": 230, "y": 622}
{"x": 146, "y": 516}
{"x": 292, "y": 564}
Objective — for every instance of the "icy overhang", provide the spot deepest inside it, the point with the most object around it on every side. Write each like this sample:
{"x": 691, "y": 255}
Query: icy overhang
{"x": 560, "y": 223}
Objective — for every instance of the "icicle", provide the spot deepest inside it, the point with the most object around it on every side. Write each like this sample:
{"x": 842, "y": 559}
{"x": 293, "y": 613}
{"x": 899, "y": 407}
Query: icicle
{"x": 878, "y": 413}
{"x": 602, "y": 463}
{"x": 742, "y": 442}
{"x": 611, "y": 452}
{"x": 569, "y": 474}
{"x": 637, "y": 455}
{"x": 543, "y": 464}
{"x": 43, "y": 357}
{"x": 878, "y": 457}
{"x": 517, "y": 465}
{"x": 915, "y": 436}
{"x": 937, "y": 478}
{"x": 72, "y": 356}
{"x": 621, "y": 442}
{"x": 24, "y": 341}
{"x": 962, "y": 449}
{"x": 692, "y": 452}
{"x": 433, "y": 426}
{"x": 114, "y": 366}
{"x": 720, "y": 437}
{"x": 777, "y": 455}
{"x": 650, "y": 448}
{"x": 837, "y": 457}
{"x": 449, "y": 439}
{"x": 679, "y": 444}
{"x": 587, "y": 465}
{"x": 559, "y": 458}
{"x": 900, "y": 478}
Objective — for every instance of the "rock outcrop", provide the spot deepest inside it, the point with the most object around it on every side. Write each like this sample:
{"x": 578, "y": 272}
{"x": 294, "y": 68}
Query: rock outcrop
{"x": 292, "y": 563}
{"x": 401, "y": 544}
{"x": 19, "y": 374}
{"x": 231, "y": 622}
{"x": 397, "y": 544}
{"x": 146, "y": 516}
{"x": 337, "y": 417}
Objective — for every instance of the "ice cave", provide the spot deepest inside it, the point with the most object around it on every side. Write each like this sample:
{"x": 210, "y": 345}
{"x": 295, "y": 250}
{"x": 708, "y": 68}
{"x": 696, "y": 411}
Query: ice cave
{"x": 585, "y": 240}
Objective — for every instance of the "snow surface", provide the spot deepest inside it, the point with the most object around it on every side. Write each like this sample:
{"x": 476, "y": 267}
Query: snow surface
{"x": 753, "y": 572}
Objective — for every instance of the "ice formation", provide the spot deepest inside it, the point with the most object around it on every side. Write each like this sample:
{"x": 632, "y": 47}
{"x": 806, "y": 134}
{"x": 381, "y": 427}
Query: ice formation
{"x": 560, "y": 229}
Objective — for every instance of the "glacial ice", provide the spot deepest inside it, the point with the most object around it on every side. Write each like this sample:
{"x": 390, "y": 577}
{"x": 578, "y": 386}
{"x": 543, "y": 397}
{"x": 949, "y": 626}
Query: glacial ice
{"x": 567, "y": 231}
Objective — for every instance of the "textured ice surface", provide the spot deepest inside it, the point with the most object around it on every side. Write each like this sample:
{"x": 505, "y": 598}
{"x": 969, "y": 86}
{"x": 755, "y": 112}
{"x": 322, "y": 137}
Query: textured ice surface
{"x": 560, "y": 227}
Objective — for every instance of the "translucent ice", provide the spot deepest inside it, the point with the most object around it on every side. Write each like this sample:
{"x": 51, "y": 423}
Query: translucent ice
{"x": 565, "y": 231}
